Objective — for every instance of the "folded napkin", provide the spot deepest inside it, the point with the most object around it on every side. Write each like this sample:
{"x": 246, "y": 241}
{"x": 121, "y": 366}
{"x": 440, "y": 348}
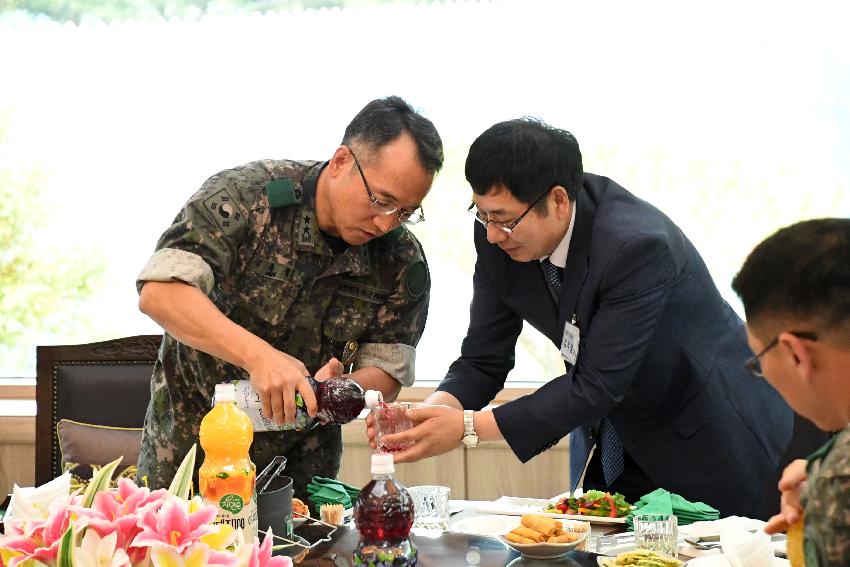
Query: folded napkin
{"x": 660, "y": 501}
{"x": 747, "y": 549}
{"x": 331, "y": 491}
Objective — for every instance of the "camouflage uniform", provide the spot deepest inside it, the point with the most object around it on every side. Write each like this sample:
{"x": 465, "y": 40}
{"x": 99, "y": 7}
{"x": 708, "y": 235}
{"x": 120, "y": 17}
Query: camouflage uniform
{"x": 249, "y": 239}
{"x": 826, "y": 503}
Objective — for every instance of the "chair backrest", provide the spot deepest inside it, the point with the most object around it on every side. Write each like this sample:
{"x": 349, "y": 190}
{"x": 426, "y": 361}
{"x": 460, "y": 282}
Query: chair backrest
{"x": 106, "y": 384}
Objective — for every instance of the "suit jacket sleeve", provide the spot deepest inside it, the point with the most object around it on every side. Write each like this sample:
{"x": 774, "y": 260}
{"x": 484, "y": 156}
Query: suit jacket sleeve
{"x": 630, "y": 300}
{"x": 487, "y": 352}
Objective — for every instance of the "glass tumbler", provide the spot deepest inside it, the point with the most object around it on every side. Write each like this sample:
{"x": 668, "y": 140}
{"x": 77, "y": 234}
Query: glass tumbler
{"x": 391, "y": 418}
{"x": 430, "y": 508}
{"x": 658, "y": 533}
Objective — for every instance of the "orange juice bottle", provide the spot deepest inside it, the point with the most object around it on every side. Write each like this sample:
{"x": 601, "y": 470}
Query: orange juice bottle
{"x": 228, "y": 477}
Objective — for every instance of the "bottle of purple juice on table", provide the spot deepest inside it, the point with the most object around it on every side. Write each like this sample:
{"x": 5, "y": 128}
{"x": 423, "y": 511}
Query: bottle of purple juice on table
{"x": 383, "y": 515}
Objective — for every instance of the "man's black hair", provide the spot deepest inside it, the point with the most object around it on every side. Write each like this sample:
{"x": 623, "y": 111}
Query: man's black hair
{"x": 385, "y": 119}
{"x": 528, "y": 157}
{"x": 800, "y": 272}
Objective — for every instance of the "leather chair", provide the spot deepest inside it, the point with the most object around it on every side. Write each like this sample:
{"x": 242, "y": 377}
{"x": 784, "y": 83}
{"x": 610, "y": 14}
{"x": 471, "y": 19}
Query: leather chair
{"x": 101, "y": 389}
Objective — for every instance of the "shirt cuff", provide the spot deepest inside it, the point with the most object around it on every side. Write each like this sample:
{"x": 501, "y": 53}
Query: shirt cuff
{"x": 397, "y": 360}
{"x": 170, "y": 264}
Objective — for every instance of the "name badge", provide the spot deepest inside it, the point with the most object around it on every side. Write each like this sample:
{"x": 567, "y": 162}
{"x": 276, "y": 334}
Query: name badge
{"x": 569, "y": 343}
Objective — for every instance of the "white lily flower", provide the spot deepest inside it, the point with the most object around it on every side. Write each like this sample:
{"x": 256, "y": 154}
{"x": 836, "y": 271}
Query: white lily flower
{"x": 95, "y": 551}
{"x": 33, "y": 503}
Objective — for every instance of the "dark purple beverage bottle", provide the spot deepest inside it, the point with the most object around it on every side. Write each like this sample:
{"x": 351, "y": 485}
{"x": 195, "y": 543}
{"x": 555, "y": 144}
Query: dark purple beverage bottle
{"x": 340, "y": 400}
{"x": 383, "y": 514}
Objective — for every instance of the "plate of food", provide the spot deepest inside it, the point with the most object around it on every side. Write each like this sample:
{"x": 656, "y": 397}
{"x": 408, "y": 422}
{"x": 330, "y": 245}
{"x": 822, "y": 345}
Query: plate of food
{"x": 540, "y": 537}
{"x": 593, "y": 506}
{"x": 639, "y": 557}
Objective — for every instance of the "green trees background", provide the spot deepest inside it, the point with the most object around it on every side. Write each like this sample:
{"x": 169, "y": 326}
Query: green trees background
{"x": 41, "y": 289}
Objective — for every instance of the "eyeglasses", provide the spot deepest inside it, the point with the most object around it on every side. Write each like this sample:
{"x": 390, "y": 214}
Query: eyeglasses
{"x": 387, "y": 207}
{"x": 753, "y": 365}
{"x": 506, "y": 226}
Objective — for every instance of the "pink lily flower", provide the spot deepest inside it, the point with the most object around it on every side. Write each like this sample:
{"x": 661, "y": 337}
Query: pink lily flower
{"x": 261, "y": 555}
{"x": 173, "y": 525}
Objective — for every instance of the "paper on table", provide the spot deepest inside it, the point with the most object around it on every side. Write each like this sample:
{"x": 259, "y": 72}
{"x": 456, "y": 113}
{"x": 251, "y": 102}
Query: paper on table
{"x": 714, "y": 527}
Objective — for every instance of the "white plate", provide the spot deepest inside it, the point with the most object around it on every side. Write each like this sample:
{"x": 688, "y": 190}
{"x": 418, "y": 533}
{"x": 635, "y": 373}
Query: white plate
{"x": 488, "y": 525}
{"x": 514, "y": 506}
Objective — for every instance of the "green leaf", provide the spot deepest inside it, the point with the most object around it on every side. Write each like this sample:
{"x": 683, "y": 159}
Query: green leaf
{"x": 223, "y": 475}
{"x": 100, "y": 481}
{"x": 65, "y": 557}
{"x": 181, "y": 484}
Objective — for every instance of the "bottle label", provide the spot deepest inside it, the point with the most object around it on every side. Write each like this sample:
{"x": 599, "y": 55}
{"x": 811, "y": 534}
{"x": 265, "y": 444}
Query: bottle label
{"x": 249, "y": 401}
{"x": 236, "y": 512}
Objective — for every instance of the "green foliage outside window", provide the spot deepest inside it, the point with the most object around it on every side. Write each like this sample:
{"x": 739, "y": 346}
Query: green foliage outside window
{"x": 41, "y": 287}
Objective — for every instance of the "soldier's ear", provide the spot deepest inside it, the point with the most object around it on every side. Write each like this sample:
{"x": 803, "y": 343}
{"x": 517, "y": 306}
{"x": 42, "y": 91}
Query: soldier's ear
{"x": 340, "y": 162}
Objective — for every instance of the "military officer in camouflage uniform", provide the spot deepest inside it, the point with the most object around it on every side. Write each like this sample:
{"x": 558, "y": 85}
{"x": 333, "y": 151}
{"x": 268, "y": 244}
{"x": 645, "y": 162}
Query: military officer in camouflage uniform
{"x": 795, "y": 287}
{"x": 271, "y": 268}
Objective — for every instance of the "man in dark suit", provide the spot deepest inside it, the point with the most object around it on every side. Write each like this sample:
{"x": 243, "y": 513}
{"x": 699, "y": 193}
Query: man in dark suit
{"x": 655, "y": 392}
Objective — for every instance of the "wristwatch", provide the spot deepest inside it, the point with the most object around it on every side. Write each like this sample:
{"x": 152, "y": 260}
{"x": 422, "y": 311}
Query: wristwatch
{"x": 470, "y": 438}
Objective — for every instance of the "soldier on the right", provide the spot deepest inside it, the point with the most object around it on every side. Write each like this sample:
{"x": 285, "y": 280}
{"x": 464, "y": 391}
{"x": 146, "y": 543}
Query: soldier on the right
{"x": 795, "y": 287}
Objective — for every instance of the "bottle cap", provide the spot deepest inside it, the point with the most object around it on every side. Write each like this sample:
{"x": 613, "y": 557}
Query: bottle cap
{"x": 225, "y": 392}
{"x": 373, "y": 398}
{"x": 382, "y": 463}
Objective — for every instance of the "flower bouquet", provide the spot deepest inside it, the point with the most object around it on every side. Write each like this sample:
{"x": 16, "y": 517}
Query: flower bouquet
{"x": 52, "y": 526}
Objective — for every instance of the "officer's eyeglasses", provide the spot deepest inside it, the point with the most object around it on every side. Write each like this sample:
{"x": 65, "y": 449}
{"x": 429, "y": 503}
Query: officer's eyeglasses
{"x": 387, "y": 207}
{"x": 506, "y": 226}
{"x": 753, "y": 365}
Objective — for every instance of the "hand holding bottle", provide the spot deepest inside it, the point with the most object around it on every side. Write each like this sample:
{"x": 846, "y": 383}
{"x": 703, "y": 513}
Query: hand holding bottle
{"x": 276, "y": 377}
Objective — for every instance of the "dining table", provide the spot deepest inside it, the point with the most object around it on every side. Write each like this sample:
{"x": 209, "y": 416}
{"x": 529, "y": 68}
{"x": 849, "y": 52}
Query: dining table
{"x": 444, "y": 550}
{"x": 436, "y": 549}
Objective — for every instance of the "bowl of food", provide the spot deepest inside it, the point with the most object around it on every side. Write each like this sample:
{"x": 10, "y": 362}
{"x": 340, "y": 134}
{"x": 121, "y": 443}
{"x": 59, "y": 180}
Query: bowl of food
{"x": 300, "y": 512}
{"x": 541, "y": 537}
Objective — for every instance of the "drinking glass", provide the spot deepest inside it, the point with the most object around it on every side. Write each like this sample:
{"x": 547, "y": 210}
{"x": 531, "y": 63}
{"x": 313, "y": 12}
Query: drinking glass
{"x": 430, "y": 508}
{"x": 658, "y": 533}
{"x": 389, "y": 419}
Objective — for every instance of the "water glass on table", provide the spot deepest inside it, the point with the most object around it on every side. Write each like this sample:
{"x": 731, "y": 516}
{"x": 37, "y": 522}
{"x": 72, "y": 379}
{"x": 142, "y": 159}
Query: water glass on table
{"x": 430, "y": 508}
{"x": 658, "y": 533}
{"x": 389, "y": 419}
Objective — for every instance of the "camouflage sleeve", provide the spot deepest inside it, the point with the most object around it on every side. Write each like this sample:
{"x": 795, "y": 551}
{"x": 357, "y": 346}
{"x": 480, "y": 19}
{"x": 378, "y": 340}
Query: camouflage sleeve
{"x": 397, "y": 360}
{"x": 390, "y": 342}
{"x": 201, "y": 245}
{"x": 170, "y": 264}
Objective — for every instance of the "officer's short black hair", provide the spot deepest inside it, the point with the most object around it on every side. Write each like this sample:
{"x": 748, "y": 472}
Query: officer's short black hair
{"x": 799, "y": 274}
{"x": 528, "y": 157}
{"x": 385, "y": 119}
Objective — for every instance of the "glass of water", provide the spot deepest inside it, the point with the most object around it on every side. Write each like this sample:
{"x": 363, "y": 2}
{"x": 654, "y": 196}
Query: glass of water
{"x": 658, "y": 533}
{"x": 430, "y": 508}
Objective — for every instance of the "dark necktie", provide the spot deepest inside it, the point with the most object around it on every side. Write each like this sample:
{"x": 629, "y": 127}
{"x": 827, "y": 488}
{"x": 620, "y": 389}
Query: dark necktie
{"x": 611, "y": 449}
{"x": 554, "y": 274}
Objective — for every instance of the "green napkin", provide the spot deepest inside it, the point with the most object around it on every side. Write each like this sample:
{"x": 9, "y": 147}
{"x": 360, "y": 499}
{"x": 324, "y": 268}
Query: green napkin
{"x": 331, "y": 491}
{"x": 660, "y": 501}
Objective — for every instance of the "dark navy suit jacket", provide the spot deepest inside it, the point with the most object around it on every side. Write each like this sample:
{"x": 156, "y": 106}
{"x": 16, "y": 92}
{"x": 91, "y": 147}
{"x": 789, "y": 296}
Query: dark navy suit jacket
{"x": 661, "y": 355}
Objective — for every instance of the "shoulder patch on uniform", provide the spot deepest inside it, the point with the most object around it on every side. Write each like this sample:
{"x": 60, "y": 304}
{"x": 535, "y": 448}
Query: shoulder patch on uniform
{"x": 283, "y": 192}
{"x": 416, "y": 280}
{"x": 225, "y": 212}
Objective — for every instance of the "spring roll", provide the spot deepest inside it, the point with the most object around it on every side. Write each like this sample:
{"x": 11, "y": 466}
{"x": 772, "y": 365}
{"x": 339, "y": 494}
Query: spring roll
{"x": 529, "y": 533}
{"x": 542, "y": 524}
{"x": 566, "y": 537}
{"x": 510, "y": 536}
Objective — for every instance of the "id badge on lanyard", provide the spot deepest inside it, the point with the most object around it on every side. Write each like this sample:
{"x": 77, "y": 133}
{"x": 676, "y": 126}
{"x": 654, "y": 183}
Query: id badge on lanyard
{"x": 570, "y": 341}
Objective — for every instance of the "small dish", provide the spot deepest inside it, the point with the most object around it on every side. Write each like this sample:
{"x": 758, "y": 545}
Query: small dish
{"x": 550, "y": 550}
